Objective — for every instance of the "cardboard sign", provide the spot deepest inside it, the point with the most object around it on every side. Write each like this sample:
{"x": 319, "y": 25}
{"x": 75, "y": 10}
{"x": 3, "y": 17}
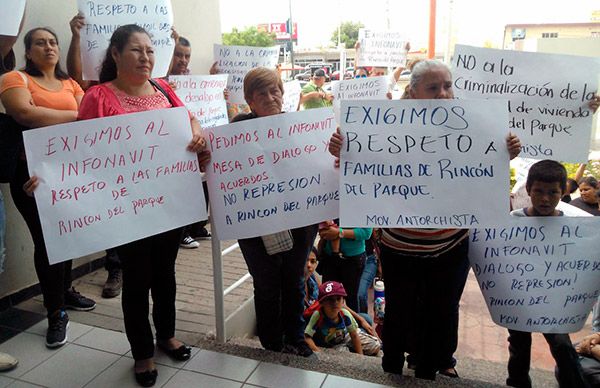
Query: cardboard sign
{"x": 548, "y": 96}
{"x": 382, "y": 49}
{"x": 423, "y": 164}
{"x": 203, "y": 96}
{"x": 109, "y": 181}
{"x": 373, "y": 88}
{"x": 291, "y": 96}
{"x": 103, "y": 17}
{"x": 238, "y": 60}
{"x": 12, "y": 14}
{"x": 272, "y": 173}
{"x": 538, "y": 274}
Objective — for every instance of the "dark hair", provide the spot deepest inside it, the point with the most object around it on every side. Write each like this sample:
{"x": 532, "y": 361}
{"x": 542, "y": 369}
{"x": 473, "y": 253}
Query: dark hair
{"x": 30, "y": 67}
{"x": 590, "y": 181}
{"x": 184, "y": 42}
{"x": 361, "y": 68}
{"x": 572, "y": 185}
{"x": 548, "y": 171}
{"x": 118, "y": 40}
{"x": 314, "y": 250}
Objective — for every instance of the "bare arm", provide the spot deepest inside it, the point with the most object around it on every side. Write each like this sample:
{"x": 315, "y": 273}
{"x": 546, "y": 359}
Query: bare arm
{"x": 311, "y": 344}
{"x": 361, "y": 321}
{"x": 74, "y": 67}
{"x": 311, "y": 96}
{"x": 580, "y": 171}
{"x": 19, "y": 105}
{"x": 356, "y": 342}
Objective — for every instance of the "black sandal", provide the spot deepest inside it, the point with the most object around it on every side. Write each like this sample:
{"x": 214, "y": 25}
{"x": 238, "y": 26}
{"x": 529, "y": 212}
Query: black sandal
{"x": 182, "y": 353}
{"x": 146, "y": 378}
{"x": 450, "y": 372}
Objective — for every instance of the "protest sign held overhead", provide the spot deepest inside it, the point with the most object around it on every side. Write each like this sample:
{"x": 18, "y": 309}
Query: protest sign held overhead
{"x": 203, "y": 96}
{"x": 381, "y": 48}
{"x": 538, "y": 274}
{"x": 291, "y": 96}
{"x": 238, "y": 60}
{"x": 423, "y": 164}
{"x": 373, "y": 88}
{"x": 548, "y": 96}
{"x": 109, "y": 181}
{"x": 103, "y": 17}
{"x": 12, "y": 14}
{"x": 272, "y": 173}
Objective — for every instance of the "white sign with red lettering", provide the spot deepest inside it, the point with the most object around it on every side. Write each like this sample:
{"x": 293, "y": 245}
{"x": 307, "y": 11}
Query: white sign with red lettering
{"x": 109, "y": 181}
{"x": 203, "y": 96}
{"x": 103, "y": 17}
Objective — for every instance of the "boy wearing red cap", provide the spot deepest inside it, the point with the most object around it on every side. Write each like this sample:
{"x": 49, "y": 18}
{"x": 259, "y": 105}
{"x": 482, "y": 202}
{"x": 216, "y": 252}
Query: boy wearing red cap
{"x": 332, "y": 325}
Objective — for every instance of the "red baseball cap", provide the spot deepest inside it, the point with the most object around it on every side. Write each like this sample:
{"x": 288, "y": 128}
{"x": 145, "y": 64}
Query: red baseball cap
{"x": 331, "y": 289}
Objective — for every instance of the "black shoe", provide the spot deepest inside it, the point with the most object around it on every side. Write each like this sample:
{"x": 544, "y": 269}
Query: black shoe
{"x": 300, "y": 349}
{"x": 203, "y": 235}
{"x": 75, "y": 301}
{"x": 182, "y": 353}
{"x": 147, "y": 378}
{"x": 450, "y": 372}
{"x": 392, "y": 365}
{"x": 113, "y": 285}
{"x": 58, "y": 323}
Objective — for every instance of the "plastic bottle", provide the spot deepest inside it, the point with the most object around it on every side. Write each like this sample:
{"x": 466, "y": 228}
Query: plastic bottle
{"x": 379, "y": 302}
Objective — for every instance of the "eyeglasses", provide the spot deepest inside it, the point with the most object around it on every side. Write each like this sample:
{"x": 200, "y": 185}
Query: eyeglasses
{"x": 360, "y": 76}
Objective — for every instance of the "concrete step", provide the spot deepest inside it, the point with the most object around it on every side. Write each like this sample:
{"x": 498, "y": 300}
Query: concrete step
{"x": 473, "y": 373}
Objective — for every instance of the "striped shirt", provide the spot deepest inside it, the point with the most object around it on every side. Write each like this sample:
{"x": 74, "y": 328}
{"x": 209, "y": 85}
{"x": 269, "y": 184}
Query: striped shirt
{"x": 422, "y": 242}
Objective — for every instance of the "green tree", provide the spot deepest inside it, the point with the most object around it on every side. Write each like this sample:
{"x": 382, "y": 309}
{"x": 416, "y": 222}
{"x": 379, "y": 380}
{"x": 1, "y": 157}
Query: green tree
{"x": 249, "y": 37}
{"x": 348, "y": 33}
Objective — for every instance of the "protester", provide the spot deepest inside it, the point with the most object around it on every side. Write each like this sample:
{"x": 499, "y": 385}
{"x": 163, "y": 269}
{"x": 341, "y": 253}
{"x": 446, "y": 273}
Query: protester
{"x": 41, "y": 95}
{"x": 347, "y": 265}
{"x": 148, "y": 263}
{"x": 425, "y": 269}
{"x": 179, "y": 66}
{"x": 333, "y": 326}
{"x": 7, "y": 63}
{"x": 572, "y": 185}
{"x": 313, "y": 95}
{"x": 276, "y": 261}
{"x": 371, "y": 270}
{"x": 232, "y": 108}
{"x": 546, "y": 184}
{"x": 588, "y": 186}
{"x": 112, "y": 263}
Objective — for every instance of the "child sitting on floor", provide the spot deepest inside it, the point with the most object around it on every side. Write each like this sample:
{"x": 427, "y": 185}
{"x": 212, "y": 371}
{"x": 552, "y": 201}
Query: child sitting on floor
{"x": 333, "y": 326}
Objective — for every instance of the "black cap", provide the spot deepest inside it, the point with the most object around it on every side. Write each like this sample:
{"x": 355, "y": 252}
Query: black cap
{"x": 319, "y": 73}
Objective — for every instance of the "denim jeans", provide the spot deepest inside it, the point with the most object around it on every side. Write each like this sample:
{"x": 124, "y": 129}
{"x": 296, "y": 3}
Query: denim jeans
{"x": 2, "y": 231}
{"x": 366, "y": 279}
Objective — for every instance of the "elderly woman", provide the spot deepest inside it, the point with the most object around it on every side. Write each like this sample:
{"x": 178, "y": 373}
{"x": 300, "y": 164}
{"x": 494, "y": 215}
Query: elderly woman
{"x": 588, "y": 201}
{"x": 425, "y": 269}
{"x": 276, "y": 262}
{"x": 41, "y": 95}
{"x": 149, "y": 263}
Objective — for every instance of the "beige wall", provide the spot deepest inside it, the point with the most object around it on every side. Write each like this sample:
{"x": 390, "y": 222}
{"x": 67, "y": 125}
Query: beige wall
{"x": 535, "y": 31}
{"x": 199, "y": 21}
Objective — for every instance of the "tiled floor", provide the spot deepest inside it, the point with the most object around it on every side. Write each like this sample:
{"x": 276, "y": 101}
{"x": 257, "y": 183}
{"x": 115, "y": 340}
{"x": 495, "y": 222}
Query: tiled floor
{"x": 96, "y": 357}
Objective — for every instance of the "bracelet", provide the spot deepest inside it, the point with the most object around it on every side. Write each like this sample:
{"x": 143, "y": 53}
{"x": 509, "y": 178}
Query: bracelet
{"x": 341, "y": 233}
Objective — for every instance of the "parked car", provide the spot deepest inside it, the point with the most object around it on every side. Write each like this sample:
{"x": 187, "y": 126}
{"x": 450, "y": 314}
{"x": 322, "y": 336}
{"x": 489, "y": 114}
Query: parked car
{"x": 335, "y": 76}
{"x": 305, "y": 76}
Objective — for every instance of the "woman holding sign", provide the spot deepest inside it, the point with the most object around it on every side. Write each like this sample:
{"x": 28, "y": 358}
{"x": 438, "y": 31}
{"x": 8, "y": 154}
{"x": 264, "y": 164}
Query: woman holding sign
{"x": 425, "y": 269}
{"x": 149, "y": 263}
{"x": 41, "y": 95}
{"x": 276, "y": 261}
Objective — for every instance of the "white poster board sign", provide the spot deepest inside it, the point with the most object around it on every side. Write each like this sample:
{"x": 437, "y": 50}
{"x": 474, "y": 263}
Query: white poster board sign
{"x": 381, "y": 48}
{"x": 538, "y": 274}
{"x": 272, "y": 173}
{"x": 109, "y": 181}
{"x": 103, "y": 17}
{"x": 203, "y": 96}
{"x": 423, "y": 164}
{"x": 373, "y": 88}
{"x": 12, "y": 14}
{"x": 291, "y": 96}
{"x": 548, "y": 96}
{"x": 238, "y": 60}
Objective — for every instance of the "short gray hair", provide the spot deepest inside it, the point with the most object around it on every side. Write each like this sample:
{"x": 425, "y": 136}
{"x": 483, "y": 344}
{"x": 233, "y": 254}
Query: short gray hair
{"x": 422, "y": 67}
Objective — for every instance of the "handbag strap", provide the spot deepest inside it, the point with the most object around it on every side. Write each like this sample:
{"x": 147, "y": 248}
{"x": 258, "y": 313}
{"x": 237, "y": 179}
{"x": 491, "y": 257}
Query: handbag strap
{"x": 25, "y": 79}
{"x": 160, "y": 89}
